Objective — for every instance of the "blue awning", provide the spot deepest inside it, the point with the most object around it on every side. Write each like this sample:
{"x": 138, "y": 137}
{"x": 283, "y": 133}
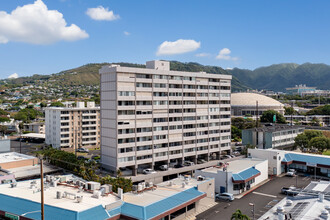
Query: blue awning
{"x": 308, "y": 159}
{"x": 246, "y": 174}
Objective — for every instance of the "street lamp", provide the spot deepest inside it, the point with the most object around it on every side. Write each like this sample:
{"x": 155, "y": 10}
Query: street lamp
{"x": 252, "y": 204}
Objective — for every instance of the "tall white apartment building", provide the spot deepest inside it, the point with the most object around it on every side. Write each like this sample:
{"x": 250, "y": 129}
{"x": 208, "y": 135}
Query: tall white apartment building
{"x": 73, "y": 127}
{"x": 155, "y": 116}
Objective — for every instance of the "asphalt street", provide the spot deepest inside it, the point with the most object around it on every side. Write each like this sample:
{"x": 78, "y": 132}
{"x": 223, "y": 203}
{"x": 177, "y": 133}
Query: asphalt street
{"x": 264, "y": 198}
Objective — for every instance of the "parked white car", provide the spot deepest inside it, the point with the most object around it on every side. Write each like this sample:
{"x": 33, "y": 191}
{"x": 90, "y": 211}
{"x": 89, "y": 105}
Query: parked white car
{"x": 148, "y": 171}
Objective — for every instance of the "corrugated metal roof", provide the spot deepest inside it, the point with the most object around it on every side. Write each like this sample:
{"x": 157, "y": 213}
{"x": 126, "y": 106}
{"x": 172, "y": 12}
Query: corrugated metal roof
{"x": 162, "y": 206}
{"x": 245, "y": 174}
{"x": 306, "y": 158}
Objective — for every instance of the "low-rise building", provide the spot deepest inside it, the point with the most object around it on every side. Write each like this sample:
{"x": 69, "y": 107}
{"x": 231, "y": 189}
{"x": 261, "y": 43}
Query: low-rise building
{"x": 174, "y": 199}
{"x": 280, "y": 161}
{"x": 36, "y": 127}
{"x": 309, "y": 119}
{"x": 311, "y": 203}
{"x": 73, "y": 127}
{"x": 300, "y": 89}
{"x": 237, "y": 176}
{"x": 70, "y": 197}
{"x": 14, "y": 160}
{"x": 276, "y": 136}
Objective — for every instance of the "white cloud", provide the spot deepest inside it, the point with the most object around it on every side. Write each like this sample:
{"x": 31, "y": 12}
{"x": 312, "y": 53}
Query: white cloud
{"x": 34, "y": 23}
{"x": 13, "y": 76}
{"x": 202, "y": 55}
{"x": 101, "y": 14}
{"x": 229, "y": 68}
{"x": 127, "y": 33}
{"x": 177, "y": 47}
{"x": 224, "y": 54}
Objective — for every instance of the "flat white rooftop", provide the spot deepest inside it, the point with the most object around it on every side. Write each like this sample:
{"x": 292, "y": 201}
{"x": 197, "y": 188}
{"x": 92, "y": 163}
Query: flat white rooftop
{"x": 13, "y": 156}
{"x": 34, "y": 135}
{"x": 305, "y": 205}
{"x": 236, "y": 166}
{"x": 23, "y": 191}
{"x": 163, "y": 190}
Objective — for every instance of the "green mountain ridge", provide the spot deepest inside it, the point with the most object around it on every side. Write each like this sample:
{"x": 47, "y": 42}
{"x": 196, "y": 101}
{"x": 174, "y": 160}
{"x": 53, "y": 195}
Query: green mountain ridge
{"x": 89, "y": 74}
{"x": 277, "y": 77}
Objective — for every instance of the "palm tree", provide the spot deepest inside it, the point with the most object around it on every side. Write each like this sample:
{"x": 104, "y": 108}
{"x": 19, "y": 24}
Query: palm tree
{"x": 238, "y": 215}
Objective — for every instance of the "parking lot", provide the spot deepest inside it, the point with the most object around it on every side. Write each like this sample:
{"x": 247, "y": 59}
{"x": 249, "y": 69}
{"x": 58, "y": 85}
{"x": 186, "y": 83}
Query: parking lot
{"x": 264, "y": 198}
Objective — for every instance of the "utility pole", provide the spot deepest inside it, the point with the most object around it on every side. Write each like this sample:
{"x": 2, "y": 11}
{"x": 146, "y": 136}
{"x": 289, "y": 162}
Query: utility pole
{"x": 42, "y": 190}
{"x": 292, "y": 113}
{"x": 20, "y": 141}
{"x": 257, "y": 115}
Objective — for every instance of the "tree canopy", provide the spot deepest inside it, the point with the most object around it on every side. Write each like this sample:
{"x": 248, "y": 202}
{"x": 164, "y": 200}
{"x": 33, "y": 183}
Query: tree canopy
{"x": 268, "y": 116}
{"x": 312, "y": 139}
{"x": 320, "y": 143}
{"x": 320, "y": 110}
{"x": 57, "y": 104}
{"x": 238, "y": 215}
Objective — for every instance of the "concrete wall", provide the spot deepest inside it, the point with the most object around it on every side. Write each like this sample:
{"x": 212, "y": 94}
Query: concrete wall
{"x": 4, "y": 145}
{"x": 208, "y": 188}
{"x": 274, "y": 159}
{"x": 21, "y": 163}
{"x": 109, "y": 150}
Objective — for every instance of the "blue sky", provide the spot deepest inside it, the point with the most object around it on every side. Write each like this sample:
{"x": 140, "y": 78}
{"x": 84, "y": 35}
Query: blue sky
{"x": 245, "y": 34}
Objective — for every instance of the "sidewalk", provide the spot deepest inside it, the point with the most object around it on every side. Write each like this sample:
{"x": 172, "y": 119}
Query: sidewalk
{"x": 203, "y": 209}
{"x": 251, "y": 190}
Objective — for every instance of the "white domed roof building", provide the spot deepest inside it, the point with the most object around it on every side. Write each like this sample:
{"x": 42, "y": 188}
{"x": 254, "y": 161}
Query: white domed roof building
{"x": 244, "y": 103}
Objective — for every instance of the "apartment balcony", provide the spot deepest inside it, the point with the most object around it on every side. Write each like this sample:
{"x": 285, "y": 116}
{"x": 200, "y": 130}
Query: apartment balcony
{"x": 187, "y": 154}
{"x": 126, "y": 107}
{"x": 215, "y": 150}
{"x": 143, "y": 98}
{"x": 121, "y": 136}
{"x": 142, "y": 143}
{"x": 126, "y": 164}
{"x": 143, "y": 80}
{"x": 89, "y": 142}
{"x": 127, "y": 154}
{"x": 202, "y": 152}
{"x": 143, "y": 89}
{"x": 89, "y": 125}
{"x": 159, "y": 150}
{"x": 176, "y": 131}
{"x": 175, "y": 156}
{"x": 161, "y": 158}
{"x": 175, "y": 98}
{"x": 125, "y": 117}
{"x": 143, "y": 152}
{"x": 143, "y": 107}
{"x": 160, "y": 81}
{"x": 175, "y": 148}
{"x": 146, "y": 116}
{"x": 127, "y": 98}
{"x": 89, "y": 114}
{"x": 149, "y": 160}
{"x": 160, "y": 89}
{"x": 175, "y": 106}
